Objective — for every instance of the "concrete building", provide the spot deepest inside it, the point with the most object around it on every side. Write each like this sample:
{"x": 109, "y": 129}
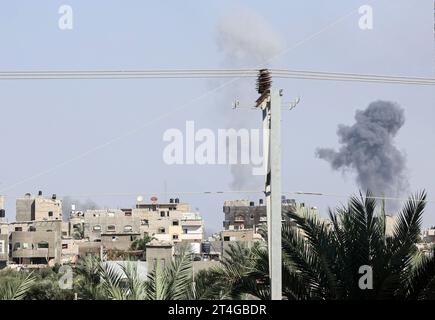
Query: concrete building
{"x": 118, "y": 241}
{"x": 245, "y": 214}
{"x": 428, "y": 236}
{"x": 171, "y": 222}
{"x": 36, "y": 242}
{"x": 29, "y": 208}
{"x": 240, "y": 235}
{"x": 159, "y": 253}
{"x": 36, "y": 236}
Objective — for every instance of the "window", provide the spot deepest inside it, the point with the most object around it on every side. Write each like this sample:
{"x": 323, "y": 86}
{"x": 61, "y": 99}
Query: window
{"x": 128, "y": 229}
{"x": 185, "y": 230}
{"x": 50, "y": 213}
{"x": 97, "y": 228}
{"x": 17, "y": 246}
{"x": 32, "y": 228}
{"x": 162, "y": 214}
{"x": 43, "y": 245}
{"x": 18, "y": 228}
{"x": 144, "y": 222}
{"x": 114, "y": 238}
{"x": 64, "y": 245}
{"x": 111, "y": 228}
{"x": 2, "y": 246}
{"x": 175, "y": 237}
{"x": 25, "y": 245}
{"x": 226, "y": 238}
{"x": 162, "y": 230}
{"x": 175, "y": 223}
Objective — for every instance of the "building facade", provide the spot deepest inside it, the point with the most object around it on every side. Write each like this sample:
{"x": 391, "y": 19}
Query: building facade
{"x": 117, "y": 228}
{"x": 29, "y": 208}
{"x": 36, "y": 242}
{"x": 245, "y": 214}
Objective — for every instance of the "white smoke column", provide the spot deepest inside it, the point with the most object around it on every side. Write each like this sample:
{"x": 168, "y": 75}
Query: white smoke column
{"x": 246, "y": 40}
{"x": 368, "y": 149}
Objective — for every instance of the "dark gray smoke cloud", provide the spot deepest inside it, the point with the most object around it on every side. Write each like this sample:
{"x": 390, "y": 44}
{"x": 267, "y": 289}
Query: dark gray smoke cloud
{"x": 368, "y": 149}
{"x": 80, "y": 206}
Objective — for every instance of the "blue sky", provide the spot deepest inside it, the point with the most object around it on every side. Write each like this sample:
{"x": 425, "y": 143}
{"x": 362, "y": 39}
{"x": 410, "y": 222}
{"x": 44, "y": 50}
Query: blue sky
{"x": 45, "y": 123}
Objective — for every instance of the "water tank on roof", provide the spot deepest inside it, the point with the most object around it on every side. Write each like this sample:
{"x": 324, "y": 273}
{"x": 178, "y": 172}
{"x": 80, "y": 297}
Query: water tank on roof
{"x": 206, "y": 246}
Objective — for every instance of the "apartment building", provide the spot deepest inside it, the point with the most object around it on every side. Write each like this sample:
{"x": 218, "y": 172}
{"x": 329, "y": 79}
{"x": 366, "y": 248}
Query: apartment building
{"x": 245, "y": 214}
{"x": 36, "y": 242}
{"x": 36, "y": 236}
{"x": 30, "y": 208}
{"x": 116, "y": 228}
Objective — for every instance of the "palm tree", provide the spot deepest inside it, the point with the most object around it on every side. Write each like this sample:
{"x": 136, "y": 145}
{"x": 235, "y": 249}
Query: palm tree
{"x": 88, "y": 278}
{"x": 17, "y": 288}
{"x": 322, "y": 259}
{"x": 141, "y": 243}
{"x": 173, "y": 282}
{"x": 239, "y": 276}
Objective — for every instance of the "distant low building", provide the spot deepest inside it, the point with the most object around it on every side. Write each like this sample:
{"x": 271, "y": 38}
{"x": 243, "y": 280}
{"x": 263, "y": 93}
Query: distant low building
{"x": 117, "y": 228}
{"x": 30, "y": 208}
{"x": 245, "y": 214}
{"x": 36, "y": 242}
{"x": 428, "y": 235}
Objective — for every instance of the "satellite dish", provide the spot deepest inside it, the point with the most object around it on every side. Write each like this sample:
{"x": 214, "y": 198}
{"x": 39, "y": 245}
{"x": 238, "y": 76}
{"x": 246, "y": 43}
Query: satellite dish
{"x": 139, "y": 199}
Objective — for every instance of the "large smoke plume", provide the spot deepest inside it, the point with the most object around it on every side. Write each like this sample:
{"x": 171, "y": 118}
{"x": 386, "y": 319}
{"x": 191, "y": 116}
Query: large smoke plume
{"x": 367, "y": 148}
{"x": 246, "y": 40}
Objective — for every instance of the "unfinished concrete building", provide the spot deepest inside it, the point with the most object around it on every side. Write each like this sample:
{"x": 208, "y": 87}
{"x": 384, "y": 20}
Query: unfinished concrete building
{"x": 36, "y": 236}
{"x": 36, "y": 242}
{"x": 245, "y": 214}
{"x": 29, "y": 208}
{"x": 117, "y": 228}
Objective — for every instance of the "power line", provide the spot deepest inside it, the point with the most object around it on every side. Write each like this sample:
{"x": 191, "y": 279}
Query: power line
{"x": 211, "y": 73}
{"x": 218, "y": 192}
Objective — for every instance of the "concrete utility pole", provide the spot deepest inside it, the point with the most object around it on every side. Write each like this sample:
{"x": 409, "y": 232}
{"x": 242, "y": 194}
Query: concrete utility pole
{"x": 270, "y": 103}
